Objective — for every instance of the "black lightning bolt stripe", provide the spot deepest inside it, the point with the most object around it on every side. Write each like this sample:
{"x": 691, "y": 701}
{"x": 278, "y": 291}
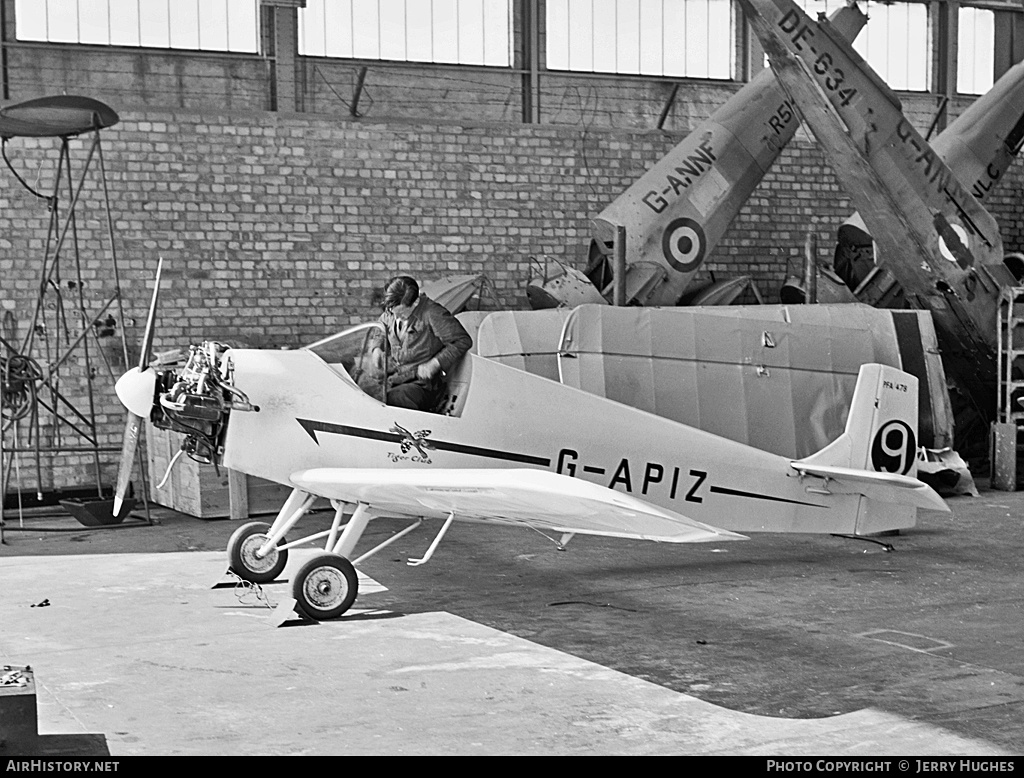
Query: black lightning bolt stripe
{"x": 313, "y": 427}
{"x": 755, "y": 496}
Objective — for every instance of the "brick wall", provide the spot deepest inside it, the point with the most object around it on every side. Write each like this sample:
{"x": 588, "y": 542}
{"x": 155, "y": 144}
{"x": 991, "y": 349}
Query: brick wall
{"x": 277, "y": 228}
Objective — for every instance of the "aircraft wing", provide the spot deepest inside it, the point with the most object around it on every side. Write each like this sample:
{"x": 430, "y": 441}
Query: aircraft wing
{"x": 886, "y": 487}
{"x": 524, "y": 497}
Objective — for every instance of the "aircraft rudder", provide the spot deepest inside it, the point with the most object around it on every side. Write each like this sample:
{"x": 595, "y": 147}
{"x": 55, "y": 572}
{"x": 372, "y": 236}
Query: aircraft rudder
{"x": 882, "y": 424}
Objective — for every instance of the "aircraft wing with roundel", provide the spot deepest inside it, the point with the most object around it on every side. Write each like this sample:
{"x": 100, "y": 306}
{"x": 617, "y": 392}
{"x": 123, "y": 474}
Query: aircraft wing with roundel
{"x": 532, "y": 498}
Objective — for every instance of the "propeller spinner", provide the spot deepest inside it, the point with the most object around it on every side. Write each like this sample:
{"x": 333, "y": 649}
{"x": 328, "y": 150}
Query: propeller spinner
{"x": 136, "y": 389}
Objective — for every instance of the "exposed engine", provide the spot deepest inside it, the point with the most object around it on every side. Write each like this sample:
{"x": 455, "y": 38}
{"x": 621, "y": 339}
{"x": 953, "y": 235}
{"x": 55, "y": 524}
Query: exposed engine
{"x": 197, "y": 398}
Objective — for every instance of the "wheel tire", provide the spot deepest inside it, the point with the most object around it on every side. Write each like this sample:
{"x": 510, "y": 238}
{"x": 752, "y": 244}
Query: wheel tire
{"x": 325, "y": 587}
{"x": 242, "y": 559}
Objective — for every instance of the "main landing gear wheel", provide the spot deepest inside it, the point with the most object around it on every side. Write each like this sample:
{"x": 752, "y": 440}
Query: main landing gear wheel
{"x": 325, "y": 587}
{"x": 242, "y": 559}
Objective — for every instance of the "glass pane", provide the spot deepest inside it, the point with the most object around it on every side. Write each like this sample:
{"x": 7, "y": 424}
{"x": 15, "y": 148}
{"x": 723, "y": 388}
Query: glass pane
{"x": 720, "y": 55}
{"x": 93, "y": 22}
{"x": 895, "y": 42}
{"x": 590, "y": 48}
{"x": 61, "y": 21}
{"x": 243, "y": 26}
{"x": 497, "y": 33}
{"x": 557, "y": 35}
{"x": 392, "y": 29}
{"x": 184, "y": 24}
{"x": 350, "y": 351}
{"x": 339, "y": 40}
{"x": 696, "y": 37}
{"x": 446, "y": 30}
{"x": 627, "y": 36}
{"x": 31, "y": 16}
{"x": 213, "y": 25}
{"x": 654, "y": 37}
{"x": 652, "y": 50}
{"x": 124, "y": 22}
{"x": 471, "y": 25}
{"x": 977, "y": 44}
{"x": 366, "y": 29}
{"x": 674, "y": 37}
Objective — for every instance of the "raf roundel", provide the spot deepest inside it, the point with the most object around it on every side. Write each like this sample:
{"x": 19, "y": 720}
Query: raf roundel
{"x": 683, "y": 244}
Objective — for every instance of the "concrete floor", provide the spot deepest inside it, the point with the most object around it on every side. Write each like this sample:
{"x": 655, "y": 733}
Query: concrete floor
{"x": 502, "y": 644}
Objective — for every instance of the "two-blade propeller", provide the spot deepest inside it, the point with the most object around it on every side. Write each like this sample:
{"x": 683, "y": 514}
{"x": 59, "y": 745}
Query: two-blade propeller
{"x": 135, "y": 390}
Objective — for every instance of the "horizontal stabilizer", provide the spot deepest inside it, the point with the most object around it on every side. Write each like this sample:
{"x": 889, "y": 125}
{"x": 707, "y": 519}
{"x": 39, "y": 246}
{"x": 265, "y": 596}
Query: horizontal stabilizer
{"x": 526, "y": 497}
{"x": 887, "y": 487}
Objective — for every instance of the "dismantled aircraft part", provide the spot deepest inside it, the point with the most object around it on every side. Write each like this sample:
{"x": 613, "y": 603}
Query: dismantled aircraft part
{"x": 775, "y": 377}
{"x": 676, "y": 213}
{"x": 830, "y": 289}
{"x": 244, "y": 559}
{"x": 325, "y": 587}
{"x": 978, "y": 146}
{"x": 59, "y": 116}
{"x": 456, "y": 292}
{"x": 1015, "y": 263}
{"x": 565, "y": 287}
{"x": 722, "y": 292}
{"x": 932, "y": 234}
{"x": 981, "y": 143}
{"x": 945, "y": 471}
{"x": 526, "y": 340}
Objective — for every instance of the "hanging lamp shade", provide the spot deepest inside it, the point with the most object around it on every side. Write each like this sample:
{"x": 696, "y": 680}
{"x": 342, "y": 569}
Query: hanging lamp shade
{"x": 58, "y": 116}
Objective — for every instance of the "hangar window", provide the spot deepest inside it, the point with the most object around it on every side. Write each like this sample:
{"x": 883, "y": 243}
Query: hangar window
{"x": 975, "y": 67}
{"x": 692, "y": 38}
{"x": 208, "y": 25}
{"x": 895, "y": 42}
{"x": 460, "y": 32}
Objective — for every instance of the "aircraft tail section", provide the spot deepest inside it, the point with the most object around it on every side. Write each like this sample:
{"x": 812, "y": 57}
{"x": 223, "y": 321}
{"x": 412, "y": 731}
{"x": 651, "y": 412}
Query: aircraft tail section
{"x": 876, "y": 456}
{"x": 675, "y": 214}
{"x": 981, "y": 143}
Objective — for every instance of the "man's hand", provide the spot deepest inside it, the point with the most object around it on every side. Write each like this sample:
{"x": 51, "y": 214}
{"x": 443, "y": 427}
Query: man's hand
{"x": 377, "y": 356}
{"x": 428, "y": 370}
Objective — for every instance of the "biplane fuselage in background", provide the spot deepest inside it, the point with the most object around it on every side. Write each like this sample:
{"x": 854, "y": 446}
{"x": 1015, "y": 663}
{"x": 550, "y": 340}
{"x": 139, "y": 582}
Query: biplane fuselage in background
{"x": 678, "y": 210}
{"x": 312, "y": 415}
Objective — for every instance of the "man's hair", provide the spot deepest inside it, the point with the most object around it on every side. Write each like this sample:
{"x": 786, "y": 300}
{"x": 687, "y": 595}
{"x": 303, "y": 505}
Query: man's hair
{"x": 400, "y": 290}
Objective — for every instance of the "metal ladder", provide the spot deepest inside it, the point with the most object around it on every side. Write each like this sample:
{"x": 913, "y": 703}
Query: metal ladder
{"x": 1010, "y": 390}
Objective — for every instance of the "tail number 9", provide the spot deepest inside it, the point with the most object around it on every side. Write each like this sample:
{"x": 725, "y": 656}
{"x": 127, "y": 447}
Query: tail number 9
{"x": 894, "y": 448}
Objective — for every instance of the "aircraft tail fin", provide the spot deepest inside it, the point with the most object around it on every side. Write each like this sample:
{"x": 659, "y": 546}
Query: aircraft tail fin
{"x": 881, "y": 429}
{"x": 876, "y": 455}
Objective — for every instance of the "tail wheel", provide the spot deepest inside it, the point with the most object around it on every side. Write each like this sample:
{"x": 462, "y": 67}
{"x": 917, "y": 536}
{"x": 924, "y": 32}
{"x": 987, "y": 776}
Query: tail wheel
{"x": 325, "y": 587}
{"x": 242, "y": 557}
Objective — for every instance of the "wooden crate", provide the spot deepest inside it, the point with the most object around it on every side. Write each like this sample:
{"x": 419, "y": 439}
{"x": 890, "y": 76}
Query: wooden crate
{"x": 198, "y": 490}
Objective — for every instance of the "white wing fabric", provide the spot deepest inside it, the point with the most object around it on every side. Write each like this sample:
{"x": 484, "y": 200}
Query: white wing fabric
{"x": 525, "y": 497}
